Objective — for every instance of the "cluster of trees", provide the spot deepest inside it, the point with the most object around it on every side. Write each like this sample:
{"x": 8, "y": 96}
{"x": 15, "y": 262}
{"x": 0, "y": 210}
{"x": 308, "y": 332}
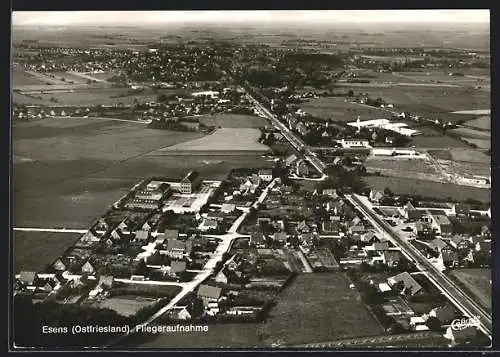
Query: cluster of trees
{"x": 340, "y": 178}
{"x": 172, "y": 125}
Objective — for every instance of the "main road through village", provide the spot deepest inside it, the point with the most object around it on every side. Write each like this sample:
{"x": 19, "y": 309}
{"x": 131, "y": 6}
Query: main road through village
{"x": 461, "y": 300}
{"x": 464, "y": 302}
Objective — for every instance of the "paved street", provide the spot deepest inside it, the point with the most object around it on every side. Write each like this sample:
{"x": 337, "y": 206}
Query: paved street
{"x": 464, "y": 302}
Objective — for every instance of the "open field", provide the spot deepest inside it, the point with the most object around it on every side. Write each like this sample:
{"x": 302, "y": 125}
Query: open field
{"x": 483, "y": 144}
{"x": 72, "y": 166}
{"x": 319, "y": 307}
{"x": 93, "y": 96}
{"x": 471, "y": 133}
{"x": 339, "y": 110}
{"x": 33, "y": 250}
{"x": 470, "y": 155}
{"x": 69, "y": 77}
{"x": 482, "y": 123}
{"x": 478, "y": 281}
{"x": 472, "y": 168}
{"x": 22, "y": 78}
{"x": 434, "y": 102}
{"x": 87, "y": 138}
{"x": 428, "y": 188}
{"x": 234, "y": 121}
{"x": 444, "y": 141}
{"x": 225, "y": 139}
{"x": 414, "y": 165}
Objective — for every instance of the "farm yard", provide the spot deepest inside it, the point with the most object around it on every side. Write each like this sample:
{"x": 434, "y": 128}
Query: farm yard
{"x": 337, "y": 109}
{"x": 443, "y": 191}
{"x": 233, "y": 121}
{"x": 26, "y": 252}
{"x": 225, "y": 139}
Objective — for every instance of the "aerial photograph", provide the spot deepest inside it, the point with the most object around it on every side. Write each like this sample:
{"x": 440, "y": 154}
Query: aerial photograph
{"x": 282, "y": 179}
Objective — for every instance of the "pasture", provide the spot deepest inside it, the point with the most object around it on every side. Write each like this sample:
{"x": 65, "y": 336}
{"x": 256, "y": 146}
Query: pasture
{"x": 337, "y": 109}
{"x": 233, "y": 121}
{"x": 225, "y": 139}
{"x": 444, "y": 191}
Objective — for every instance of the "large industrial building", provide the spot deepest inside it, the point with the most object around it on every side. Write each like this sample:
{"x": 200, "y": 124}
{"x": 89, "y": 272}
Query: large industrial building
{"x": 400, "y": 128}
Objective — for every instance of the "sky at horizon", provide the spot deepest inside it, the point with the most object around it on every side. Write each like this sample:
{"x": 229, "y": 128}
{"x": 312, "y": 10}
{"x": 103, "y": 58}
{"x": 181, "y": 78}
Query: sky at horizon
{"x": 58, "y": 18}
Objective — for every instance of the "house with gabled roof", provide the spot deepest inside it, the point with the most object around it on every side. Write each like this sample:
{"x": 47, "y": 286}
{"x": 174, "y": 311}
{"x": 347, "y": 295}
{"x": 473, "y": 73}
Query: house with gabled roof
{"x": 302, "y": 227}
{"x": 369, "y": 237}
{"x": 28, "y": 278}
{"x": 391, "y": 258}
{"x": 406, "y": 283}
{"x": 438, "y": 245}
{"x": 459, "y": 242}
{"x": 59, "y": 265}
{"x": 209, "y": 293}
{"x": 409, "y": 212}
{"x": 87, "y": 268}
